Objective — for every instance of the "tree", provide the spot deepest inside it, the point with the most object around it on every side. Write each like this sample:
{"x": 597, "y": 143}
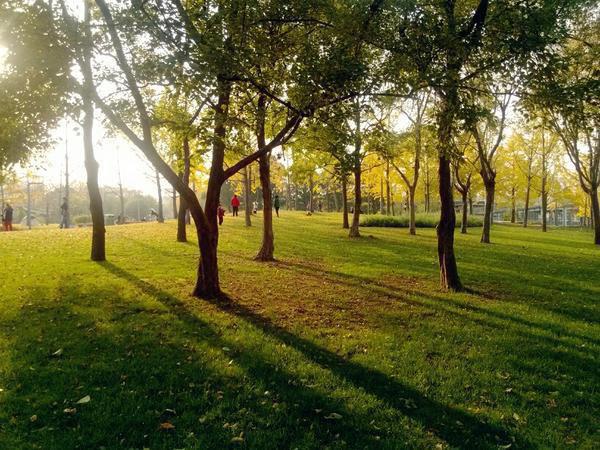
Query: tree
{"x": 564, "y": 91}
{"x": 415, "y": 110}
{"x": 488, "y": 134}
{"x": 463, "y": 174}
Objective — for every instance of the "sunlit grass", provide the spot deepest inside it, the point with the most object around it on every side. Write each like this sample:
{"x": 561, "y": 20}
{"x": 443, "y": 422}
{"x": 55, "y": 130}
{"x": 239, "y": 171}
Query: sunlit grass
{"x": 340, "y": 344}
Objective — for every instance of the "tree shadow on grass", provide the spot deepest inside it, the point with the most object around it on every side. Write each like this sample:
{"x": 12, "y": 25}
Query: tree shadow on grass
{"x": 139, "y": 369}
{"x": 444, "y": 303}
{"x": 457, "y": 427}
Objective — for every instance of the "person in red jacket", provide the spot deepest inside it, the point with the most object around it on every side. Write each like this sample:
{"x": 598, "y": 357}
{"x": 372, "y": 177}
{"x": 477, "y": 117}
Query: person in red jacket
{"x": 235, "y": 204}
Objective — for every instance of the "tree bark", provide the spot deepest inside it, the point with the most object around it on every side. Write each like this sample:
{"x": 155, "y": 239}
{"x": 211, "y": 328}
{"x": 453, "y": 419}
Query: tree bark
{"x": 544, "y": 195}
{"x": 345, "y": 222}
{"x": 247, "y": 210}
{"x": 490, "y": 189}
{"x": 98, "y": 250}
{"x": 513, "y": 206}
{"x": 412, "y": 210}
{"x": 183, "y": 206}
{"x": 267, "y": 248}
{"x": 387, "y": 188}
{"x": 381, "y": 198}
{"x": 595, "y": 214}
{"x": 354, "y": 230}
{"x": 465, "y": 208}
{"x": 526, "y": 212}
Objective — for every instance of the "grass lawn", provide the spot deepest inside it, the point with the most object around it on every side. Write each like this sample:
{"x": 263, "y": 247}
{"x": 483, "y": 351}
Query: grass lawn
{"x": 339, "y": 344}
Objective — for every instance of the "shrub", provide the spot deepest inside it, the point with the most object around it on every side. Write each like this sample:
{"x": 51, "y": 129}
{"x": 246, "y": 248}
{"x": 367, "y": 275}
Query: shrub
{"x": 82, "y": 219}
{"x": 423, "y": 220}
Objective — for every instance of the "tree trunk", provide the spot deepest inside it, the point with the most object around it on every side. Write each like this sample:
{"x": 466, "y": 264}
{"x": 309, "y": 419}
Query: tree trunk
{"x": 388, "y": 197}
{"x": 207, "y": 283}
{"x": 490, "y": 188}
{"x": 311, "y": 187}
{"x": 526, "y": 212}
{"x": 345, "y": 223}
{"x": 445, "y": 230}
{"x": 336, "y": 203}
{"x": 174, "y": 200}
{"x": 411, "y": 206}
{"x": 449, "y": 278}
{"x": 247, "y": 210}
{"x": 381, "y": 199}
{"x": 513, "y": 206}
{"x": 544, "y": 195}
{"x": 595, "y": 214}
{"x": 268, "y": 241}
{"x": 183, "y": 207}
{"x": 98, "y": 250}
{"x": 354, "y": 231}
{"x": 161, "y": 216}
{"x": 465, "y": 209}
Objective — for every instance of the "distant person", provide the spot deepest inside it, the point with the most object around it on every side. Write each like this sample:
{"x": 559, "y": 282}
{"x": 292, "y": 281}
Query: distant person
{"x": 276, "y": 204}
{"x": 7, "y": 217}
{"x": 64, "y": 213}
{"x": 220, "y": 214}
{"x": 254, "y": 207}
{"x": 235, "y": 204}
{"x": 320, "y": 206}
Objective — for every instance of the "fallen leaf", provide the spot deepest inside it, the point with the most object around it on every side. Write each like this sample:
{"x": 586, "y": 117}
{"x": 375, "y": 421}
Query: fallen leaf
{"x": 33, "y": 418}
{"x": 58, "y": 352}
{"x": 166, "y": 426}
{"x": 83, "y": 400}
{"x": 70, "y": 410}
{"x": 333, "y": 416}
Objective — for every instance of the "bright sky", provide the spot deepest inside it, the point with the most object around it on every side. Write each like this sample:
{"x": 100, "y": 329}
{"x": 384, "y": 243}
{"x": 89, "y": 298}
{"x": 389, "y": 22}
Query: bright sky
{"x": 112, "y": 153}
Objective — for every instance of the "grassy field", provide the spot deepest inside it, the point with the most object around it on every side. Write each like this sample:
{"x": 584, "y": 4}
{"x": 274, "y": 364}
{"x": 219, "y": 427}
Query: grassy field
{"x": 339, "y": 344}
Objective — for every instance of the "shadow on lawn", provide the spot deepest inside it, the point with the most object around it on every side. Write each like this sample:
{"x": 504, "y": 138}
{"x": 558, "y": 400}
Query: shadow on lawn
{"x": 138, "y": 375}
{"x": 444, "y": 303}
{"x": 456, "y": 427}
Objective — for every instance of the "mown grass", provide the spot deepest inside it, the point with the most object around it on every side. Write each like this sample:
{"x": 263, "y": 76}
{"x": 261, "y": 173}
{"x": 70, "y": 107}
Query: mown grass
{"x": 340, "y": 344}
{"x": 422, "y": 220}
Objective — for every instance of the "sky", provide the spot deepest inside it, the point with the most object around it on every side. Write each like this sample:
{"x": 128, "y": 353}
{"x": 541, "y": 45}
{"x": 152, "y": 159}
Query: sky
{"x": 113, "y": 154}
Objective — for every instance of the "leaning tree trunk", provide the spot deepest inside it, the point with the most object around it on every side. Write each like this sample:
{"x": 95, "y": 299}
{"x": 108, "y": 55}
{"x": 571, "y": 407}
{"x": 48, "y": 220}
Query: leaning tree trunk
{"x": 247, "y": 210}
{"x": 465, "y": 210}
{"x": 595, "y": 214}
{"x": 490, "y": 188}
{"x": 412, "y": 210}
{"x": 354, "y": 231}
{"x": 98, "y": 250}
{"x": 526, "y": 212}
{"x": 345, "y": 223}
{"x": 268, "y": 241}
{"x": 183, "y": 207}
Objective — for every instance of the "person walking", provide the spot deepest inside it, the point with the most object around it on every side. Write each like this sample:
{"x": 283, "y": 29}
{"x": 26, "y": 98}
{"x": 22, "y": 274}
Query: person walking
{"x": 276, "y": 204}
{"x": 220, "y": 214}
{"x": 235, "y": 204}
{"x": 64, "y": 214}
{"x": 254, "y": 207}
{"x": 7, "y": 217}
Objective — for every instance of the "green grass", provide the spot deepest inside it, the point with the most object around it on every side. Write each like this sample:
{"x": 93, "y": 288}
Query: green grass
{"x": 340, "y": 344}
{"x": 422, "y": 220}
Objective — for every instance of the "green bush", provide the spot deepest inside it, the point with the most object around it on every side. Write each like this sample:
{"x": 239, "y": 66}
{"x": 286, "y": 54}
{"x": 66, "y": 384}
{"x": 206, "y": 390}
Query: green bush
{"x": 82, "y": 219}
{"x": 421, "y": 221}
